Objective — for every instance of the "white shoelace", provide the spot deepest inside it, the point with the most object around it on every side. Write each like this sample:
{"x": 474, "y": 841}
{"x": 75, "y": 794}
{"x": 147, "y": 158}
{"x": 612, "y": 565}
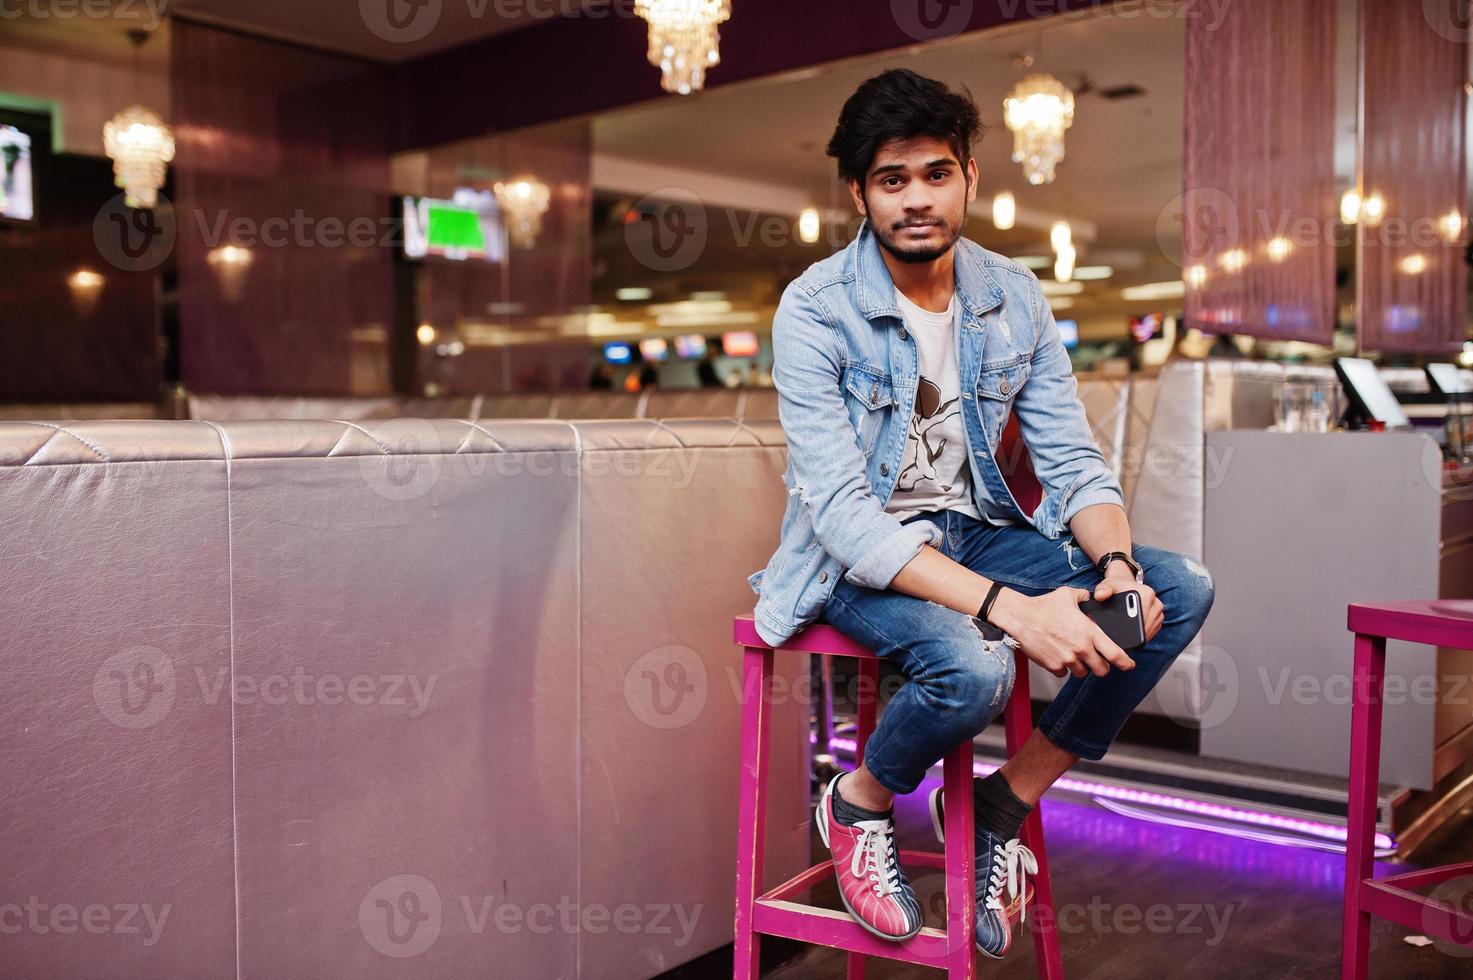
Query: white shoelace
{"x": 874, "y": 856}
{"x": 1012, "y": 863}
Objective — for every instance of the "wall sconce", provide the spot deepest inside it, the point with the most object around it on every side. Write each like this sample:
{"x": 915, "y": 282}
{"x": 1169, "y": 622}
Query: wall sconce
{"x": 85, "y": 286}
{"x": 230, "y": 264}
{"x": 809, "y": 226}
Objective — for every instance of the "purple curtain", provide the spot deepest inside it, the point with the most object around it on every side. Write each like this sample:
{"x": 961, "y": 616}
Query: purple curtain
{"x": 1259, "y": 204}
{"x": 285, "y": 268}
{"x": 1413, "y": 280}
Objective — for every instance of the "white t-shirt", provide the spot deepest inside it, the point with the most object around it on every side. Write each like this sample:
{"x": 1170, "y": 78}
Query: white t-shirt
{"x": 934, "y": 474}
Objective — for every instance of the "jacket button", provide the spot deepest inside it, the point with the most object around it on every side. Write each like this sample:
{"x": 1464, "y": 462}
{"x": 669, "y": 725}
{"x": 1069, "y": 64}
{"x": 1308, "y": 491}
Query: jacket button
{"x": 1004, "y": 387}
{"x": 903, "y": 334}
{"x": 823, "y": 577}
{"x": 884, "y": 469}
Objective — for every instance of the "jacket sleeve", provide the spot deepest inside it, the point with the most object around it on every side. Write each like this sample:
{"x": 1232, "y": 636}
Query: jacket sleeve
{"x": 824, "y": 456}
{"x": 1056, "y": 430}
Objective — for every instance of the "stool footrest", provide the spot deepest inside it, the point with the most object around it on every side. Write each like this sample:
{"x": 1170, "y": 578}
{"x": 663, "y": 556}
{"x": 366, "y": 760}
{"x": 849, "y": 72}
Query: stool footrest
{"x": 837, "y": 929}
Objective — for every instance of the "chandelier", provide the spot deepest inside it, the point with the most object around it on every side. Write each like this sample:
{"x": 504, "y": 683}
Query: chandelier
{"x": 141, "y": 147}
{"x": 1038, "y": 110}
{"x": 139, "y": 143}
{"x": 524, "y": 201}
{"x": 684, "y": 40}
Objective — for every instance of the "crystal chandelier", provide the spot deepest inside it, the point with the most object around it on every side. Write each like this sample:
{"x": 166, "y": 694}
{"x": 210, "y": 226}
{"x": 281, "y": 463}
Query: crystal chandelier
{"x": 139, "y": 143}
{"x": 1038, "y": 110}
{"x": 141, "y": 147}
{"x": 524, "y": 201}
{"x": 684, "y": 40}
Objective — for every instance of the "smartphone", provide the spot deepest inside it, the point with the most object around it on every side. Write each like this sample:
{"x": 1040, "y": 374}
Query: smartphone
{"x": 1120, "y": 617}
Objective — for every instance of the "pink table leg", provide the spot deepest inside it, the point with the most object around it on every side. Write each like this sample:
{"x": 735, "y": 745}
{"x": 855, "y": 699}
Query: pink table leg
{"x": 961, "y": 895}
{"x": 1018, "y": 725}
{"x": 1365, "y": 771}
{"x": 752, "y": 828}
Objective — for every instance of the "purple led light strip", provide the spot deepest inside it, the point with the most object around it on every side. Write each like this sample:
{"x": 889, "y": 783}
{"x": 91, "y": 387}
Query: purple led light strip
{"x": 1312, "y": 828}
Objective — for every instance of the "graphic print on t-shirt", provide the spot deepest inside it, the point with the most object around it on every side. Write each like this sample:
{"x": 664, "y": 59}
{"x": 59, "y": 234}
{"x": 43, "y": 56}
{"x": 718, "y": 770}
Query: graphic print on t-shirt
{"x": 925, "y": 442}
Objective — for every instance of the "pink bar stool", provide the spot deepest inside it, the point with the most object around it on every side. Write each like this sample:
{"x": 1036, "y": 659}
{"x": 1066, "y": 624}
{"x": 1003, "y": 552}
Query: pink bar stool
{"x": 1439, "y": 622}
{"x": 774, "y": 913}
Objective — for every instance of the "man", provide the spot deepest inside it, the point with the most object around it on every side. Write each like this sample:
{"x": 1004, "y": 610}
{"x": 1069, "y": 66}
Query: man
{"x": 897, "y": 361}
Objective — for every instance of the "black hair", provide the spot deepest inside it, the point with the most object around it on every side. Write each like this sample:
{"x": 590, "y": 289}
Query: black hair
{"x": 900, "y": 105}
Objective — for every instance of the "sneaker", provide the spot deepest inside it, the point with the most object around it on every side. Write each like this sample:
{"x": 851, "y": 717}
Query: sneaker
{"x": 871, "y": 884}
{"x": 1001, "y": 866}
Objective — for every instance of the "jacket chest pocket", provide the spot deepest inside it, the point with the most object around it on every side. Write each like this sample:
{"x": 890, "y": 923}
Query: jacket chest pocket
{"x": 1001, "y": 382}
{"x": 869, "y": 396}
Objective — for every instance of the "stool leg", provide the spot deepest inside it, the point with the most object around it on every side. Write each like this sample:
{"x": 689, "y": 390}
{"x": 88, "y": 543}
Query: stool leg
{"x": 1018, "y": 723}
{"x": 1365, "y": 772}
{"x": 961, "y": 892}
{"x": 752, "y": 818}
{"x": 866, "y": 698}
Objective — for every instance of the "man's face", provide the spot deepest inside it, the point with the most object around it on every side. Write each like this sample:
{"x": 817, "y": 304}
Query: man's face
{"x": 916, "y": 195}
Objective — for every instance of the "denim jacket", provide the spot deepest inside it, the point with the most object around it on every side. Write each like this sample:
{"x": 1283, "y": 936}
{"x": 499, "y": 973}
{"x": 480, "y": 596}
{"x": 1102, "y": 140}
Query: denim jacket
{"x": 845, "y": 370}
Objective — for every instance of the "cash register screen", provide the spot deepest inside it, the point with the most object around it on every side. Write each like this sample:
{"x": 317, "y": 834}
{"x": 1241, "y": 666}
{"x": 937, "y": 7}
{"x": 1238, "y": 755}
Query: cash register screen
{"x": 1448, "y": 378}
{"x": 1367, "y": 387}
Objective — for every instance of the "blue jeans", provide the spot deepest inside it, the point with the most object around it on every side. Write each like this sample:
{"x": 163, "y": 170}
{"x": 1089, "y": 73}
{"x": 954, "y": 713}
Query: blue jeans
{"x": 957, "y": 682}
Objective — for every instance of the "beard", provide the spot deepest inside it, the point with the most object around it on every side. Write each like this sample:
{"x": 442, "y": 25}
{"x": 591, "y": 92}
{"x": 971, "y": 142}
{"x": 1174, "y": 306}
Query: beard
{"x": 918, "y": 253}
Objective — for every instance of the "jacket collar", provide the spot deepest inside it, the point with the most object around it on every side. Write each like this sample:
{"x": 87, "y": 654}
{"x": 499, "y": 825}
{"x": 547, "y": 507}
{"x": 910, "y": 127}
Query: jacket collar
{"x": 875, "y": 290}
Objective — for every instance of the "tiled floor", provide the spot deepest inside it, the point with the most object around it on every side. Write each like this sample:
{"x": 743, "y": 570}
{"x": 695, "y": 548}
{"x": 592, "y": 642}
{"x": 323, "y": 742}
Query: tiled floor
{"x": 1138, "y": 900}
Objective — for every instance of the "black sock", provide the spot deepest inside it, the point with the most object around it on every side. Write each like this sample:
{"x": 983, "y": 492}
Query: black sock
{"x": 997, "y": 809}
{"x": 848, "y": 814}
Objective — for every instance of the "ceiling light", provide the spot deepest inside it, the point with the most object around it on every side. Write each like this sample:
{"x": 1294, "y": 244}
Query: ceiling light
{"x": 139, "y": 144}
{"x": 1093, "y": 272}
{"x": 1170, "y": 289}
{"x": 1278, "y": 248}
{"x": 1054, "y": 288}
{"x": 1033, "y": 261}
{"x": 809, "y": 226}
{"x": 634, "y": 294}
{"x": 425, "y": 334}
{"x": 1233, "y": 259}
{"x": 1349, "y": 208}
{"x": 1451, "y": 225}
{"x": 1004, "y": 211}
{"x": 1038, "y": 110}
{"x": 1064, "y": 264}
{"x": 1195, "y": 275}
{"x": 1060, "y": 234}
{"x": 684, "y": 40}
{"x": 1372, "y": 208}
{"x": 525, "y": 201}
{"x": 1060, "y": 303}
{"x": 1413, "y": 265}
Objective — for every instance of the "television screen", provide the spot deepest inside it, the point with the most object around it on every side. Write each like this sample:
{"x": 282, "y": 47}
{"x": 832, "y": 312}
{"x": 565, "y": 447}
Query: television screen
{"x": 1069, "y": 331}
{"x": 739, "y": 343}
{"x": 654, "y": 349}
{"x": 618, "y": 352}
{"x": 17, "y": 191}
{"x": 690, "y": 346}
{"x": 466, "y": 227}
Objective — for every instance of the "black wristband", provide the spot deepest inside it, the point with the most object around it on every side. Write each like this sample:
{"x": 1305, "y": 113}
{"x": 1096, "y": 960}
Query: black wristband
{"x": 992, "y": 594}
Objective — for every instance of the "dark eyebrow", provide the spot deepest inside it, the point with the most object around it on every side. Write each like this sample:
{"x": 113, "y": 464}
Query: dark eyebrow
{"x": 895, "y": 167}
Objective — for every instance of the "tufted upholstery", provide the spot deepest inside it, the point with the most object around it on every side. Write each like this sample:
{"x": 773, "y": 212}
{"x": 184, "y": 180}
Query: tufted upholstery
{"x": 505, "y": 598}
